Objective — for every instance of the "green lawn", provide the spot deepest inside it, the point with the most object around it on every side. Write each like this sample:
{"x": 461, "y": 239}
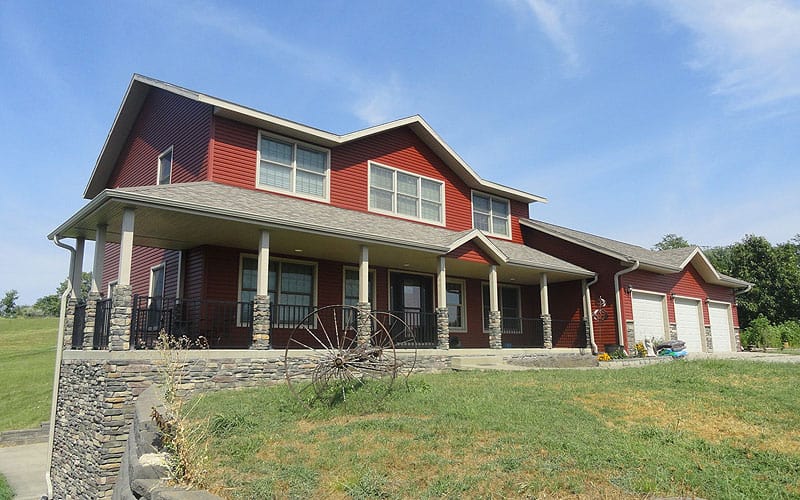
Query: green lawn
{"x": 714, "y": 429}
{"x": 6, "y": 493}
{"x": 27, "y": 361}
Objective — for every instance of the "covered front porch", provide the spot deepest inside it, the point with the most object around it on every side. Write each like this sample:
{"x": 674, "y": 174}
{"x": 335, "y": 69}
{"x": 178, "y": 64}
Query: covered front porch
{"x": 243, "y": 282}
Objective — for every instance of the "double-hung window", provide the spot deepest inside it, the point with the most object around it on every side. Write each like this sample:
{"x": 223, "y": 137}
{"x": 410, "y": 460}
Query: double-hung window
{"x": 291, "y": 289}
{"x": 491, "y": 214}
{"x": 292, "y": 167}
{"x": 405, "y": 194}
{"x": 351, "y": 287}
{"x": 456, "y": 306}
{"x": 165, "y": 167}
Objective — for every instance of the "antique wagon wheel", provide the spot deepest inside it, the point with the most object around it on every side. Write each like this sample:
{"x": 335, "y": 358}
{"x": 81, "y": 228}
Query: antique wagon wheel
{"x": 327, "y": 358}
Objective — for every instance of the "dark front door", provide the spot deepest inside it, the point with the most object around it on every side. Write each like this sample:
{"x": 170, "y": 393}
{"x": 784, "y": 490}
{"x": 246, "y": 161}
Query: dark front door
{"x": 412, "y": 300}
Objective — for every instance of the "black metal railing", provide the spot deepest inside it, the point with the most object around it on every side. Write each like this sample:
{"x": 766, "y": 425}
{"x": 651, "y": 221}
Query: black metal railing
{"x": 522, "y": 332}
{"x": 421, "y": 328}
{"x": 223, "y": 324}
{"x": 289, "y": 316}
{"x": 78, "y": 324}
{"x": 569, "y": 333}
{"x": 102, "y": 324}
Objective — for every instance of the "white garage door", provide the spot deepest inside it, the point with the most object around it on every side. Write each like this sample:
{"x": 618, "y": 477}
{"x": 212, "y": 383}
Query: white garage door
{"x": 648, "y": 316}
{"x": 689, "y": 324}
{"x": 720, "y": 327}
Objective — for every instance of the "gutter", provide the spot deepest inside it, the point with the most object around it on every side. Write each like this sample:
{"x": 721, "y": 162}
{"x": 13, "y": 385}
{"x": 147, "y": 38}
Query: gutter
{"x": 587, "y": 300}
{"x": 635, "y": 266}
{"x": 59, "y": 354}
{"x": 744, "y": 290}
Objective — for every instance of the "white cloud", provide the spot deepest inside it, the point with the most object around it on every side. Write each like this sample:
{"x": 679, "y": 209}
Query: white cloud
{"x": 752, "y": 48}
{"x": 558, "y": 21}
{"x": 376, "y": 98}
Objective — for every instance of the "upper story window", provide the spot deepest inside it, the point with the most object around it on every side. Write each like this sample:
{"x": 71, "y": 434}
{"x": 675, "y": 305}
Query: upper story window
{"x": 407, "y": 195}
{"x": 292, "y": 167}
{"x": 491, "y": 214}
{"x": 165, "y": 167}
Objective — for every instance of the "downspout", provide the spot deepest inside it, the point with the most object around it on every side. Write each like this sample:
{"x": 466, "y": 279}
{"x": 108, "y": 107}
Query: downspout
{"x": 744, "y": 290}
{"x": 587, "y": 300}
{"x": 635, "y": 266}
{"x": 59, "y": 353}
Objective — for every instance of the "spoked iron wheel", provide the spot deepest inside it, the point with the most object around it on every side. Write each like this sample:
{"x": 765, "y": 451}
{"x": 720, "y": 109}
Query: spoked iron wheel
{"x": 328, "y": 356}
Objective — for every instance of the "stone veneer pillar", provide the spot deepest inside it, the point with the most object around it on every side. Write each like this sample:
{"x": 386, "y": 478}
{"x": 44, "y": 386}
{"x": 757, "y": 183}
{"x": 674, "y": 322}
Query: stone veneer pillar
{"x": 737, "y": 340}
{"x": 495, "y": 330}
{"x": 261, "y": 321}
{"x": 547, "y": 331}
{"x": 91, "y": 319}
{"x": 709, "y": 342}
{"x": 363, "y": 324}
{"x": 673, "y": 331}
{"x": 587, "y": 335}
{"x": 119, "y": 336}
{"x": 630, "y": 334}
{"x": 69, "y": 322}
{"x": 442, "y": 328}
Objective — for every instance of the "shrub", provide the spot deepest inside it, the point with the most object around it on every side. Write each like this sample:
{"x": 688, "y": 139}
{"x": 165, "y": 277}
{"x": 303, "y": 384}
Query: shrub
{"x": 789, "y": 332}
{"x": 761, "y": 333}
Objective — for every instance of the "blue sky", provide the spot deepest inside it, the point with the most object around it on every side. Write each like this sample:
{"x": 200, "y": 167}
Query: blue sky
{"x": 635, "y": 118}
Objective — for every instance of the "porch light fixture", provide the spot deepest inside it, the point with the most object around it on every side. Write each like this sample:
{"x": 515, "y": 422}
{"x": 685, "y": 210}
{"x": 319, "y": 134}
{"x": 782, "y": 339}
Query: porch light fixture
{"x": 706, "y": 300}
{"x": 628, "y": 289}
{"x": 672, "y": 295}
{"x": 298, "y": 250}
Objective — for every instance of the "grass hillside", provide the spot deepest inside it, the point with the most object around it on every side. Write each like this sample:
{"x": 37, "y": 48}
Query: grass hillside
{"x": 27, "y": 361}
{"x": 711, "y": 429}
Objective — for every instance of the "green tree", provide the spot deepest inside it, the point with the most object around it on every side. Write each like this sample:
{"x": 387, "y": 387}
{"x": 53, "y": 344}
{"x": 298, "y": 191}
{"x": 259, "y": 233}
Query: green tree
{"x": 50, "y": 305}
{"x": 8, "y": 306}
{"x": 670, "y": 241}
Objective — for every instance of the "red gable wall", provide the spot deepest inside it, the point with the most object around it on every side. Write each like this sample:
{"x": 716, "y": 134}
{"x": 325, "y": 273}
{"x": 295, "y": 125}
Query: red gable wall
{"x": 165, "y": 120}
{"x": 234, "y": 156}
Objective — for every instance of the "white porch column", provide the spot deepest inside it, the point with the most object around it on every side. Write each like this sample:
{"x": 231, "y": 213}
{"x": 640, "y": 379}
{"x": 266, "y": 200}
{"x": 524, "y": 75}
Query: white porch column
{"x": 77, "y": 271}
{"x": 495, "y": 319}
{"x": 99, "y": 253}
{"x": 547, "y": 321}
{"x": 442, "y": 314}
{"x": 363, "y": 275}
{"x": 261, "y": 307}
{"x": 262, "y": 282}
{"x": 126, "y": 248}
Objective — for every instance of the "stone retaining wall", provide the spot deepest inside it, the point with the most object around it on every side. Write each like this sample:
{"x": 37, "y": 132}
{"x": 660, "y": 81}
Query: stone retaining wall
{"x": 98, "y": 390}
{"x": 25, "y": 436}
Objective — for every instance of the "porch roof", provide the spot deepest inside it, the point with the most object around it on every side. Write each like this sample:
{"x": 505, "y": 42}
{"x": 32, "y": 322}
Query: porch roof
{"x": 181, "y": 216}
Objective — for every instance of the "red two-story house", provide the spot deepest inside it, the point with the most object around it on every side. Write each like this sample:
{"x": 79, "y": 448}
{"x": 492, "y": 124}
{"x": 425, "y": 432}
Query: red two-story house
{"x": 214, "y": 219}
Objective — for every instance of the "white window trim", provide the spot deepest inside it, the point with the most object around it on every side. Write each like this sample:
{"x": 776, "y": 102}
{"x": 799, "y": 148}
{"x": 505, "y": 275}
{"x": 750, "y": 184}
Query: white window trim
{"x": 491, "y": 198}
{"x": 372, "y": 277}
{"x": 153, "y": 270}
{"x": 242, "y": 256}
{"x": 326, "y": 197}
{"x": 394, "y": 212}
{"x": 170, "y": 151}
{"x": 500, "y": 301}
{"x": 111, "y": 285}
{"x": 314, "y": 285}
{"x": 463, "y": 284}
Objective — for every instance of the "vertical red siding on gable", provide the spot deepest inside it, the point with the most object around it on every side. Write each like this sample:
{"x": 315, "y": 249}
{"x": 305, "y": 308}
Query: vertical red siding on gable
{"x": 165, "y": 120}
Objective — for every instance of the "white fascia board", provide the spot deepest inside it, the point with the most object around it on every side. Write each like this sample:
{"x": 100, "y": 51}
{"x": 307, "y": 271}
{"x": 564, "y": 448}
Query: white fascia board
{"x": 482, "y": 241}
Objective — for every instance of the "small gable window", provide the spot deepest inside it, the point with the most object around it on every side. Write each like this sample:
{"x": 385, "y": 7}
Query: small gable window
{"x": 165, "y": 167}
{"x": 292, "y": 167}
{"x": 491, "y": 214}
{"x": 405, "y": 194}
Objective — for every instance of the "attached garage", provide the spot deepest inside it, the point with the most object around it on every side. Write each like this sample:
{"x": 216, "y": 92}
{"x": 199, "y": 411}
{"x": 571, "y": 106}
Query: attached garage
{"x": 689, "y": 323}
{"x": 721, "y": 331}
{"x": 649, "y": 316}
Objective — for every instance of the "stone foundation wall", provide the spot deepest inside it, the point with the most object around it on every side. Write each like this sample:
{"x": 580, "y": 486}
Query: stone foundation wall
{"x": 98, "y": 391}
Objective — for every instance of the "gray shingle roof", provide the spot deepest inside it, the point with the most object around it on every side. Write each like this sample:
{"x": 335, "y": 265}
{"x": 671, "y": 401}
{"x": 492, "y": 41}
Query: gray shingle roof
{"x": 274, "y": 209}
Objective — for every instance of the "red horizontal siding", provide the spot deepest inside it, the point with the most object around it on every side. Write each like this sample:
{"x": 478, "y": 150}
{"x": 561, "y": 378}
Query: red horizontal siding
{"x": 470, "y": 252}
{"x": 143, "y": 260}
{"x": 165, "y": 120}
{"x": 687, "y": 283}
{"x": 234, "y": 149}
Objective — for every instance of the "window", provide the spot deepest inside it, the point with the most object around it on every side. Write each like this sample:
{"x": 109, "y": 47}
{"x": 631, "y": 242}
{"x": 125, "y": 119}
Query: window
{"x": 456, "y": 306}
{"x": 156, "y": 302}
{"x": 490, "y": 214}
{"x": 509, "y": 304}
{"x": 248, "y": 280}
{"x": 165, "y": 167}
{"x": 291, "y": 289}
{"x": 292, "y": 167}
{"x": 404, "y": 194}
{"x": 157, "y": 281}
{"x": 351, "y": 287}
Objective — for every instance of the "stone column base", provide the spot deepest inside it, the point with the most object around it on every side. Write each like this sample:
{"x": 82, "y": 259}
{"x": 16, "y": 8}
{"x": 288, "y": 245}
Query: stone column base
{"x": 261, "y": 322}
{"x": 495, "y": 330}
{"x": 547, "y": 330}
{"x": 442, "y": 328}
